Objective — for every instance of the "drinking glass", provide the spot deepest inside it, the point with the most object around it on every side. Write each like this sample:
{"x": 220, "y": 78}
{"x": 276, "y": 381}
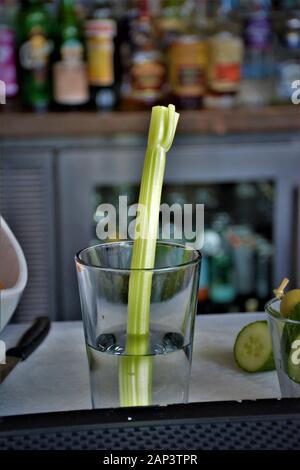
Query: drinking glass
{"x": 159, "y": 372}
{"x": 285, "y": 335}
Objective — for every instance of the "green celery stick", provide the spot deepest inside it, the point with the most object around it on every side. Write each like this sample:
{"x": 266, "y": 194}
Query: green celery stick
{"x": 135, "y": 371}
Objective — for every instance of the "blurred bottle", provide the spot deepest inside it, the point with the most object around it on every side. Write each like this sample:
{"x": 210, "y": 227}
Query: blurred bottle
{"x": 222, "y": 288}
{"x": 242, "y": 243}
{"x": 258, "y": 71}
{"x": 69, "y": 72}
{"x": 245, "y": 198}
{"x": 203, "y": 291}
{"x": 187, "y": 61}
{"x": 222, "y": 291}
{"x": 225, "y": 59}
{"x": 100, "y": 31}
{"x": 36, "y": 45}
{"x": 146, "y": 79}
{"x": 8, "y": 67}
{"x": 211, "y": 248}
{"x": 126, "y": 44}
{"x": 263, "y": 274}
{"x": 171, "y": 21}
{"x": 187, "y": 64}
{"x": 199, "y": 14}
{"x": 288, "y": 67}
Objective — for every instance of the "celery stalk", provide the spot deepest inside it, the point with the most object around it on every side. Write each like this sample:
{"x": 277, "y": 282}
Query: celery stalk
{"x": 135, "y": 370}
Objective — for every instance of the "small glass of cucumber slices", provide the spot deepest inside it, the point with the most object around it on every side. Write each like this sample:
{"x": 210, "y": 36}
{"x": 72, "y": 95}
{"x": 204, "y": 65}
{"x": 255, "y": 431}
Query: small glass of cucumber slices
{"x": 284, "y": 321}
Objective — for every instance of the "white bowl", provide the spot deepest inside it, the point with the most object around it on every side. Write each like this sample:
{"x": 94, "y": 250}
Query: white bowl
{"x": 13, "y": 273}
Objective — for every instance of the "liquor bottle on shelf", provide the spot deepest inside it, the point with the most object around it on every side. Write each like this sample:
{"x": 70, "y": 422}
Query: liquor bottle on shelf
{"x": 100, "y": 31}
{"x": 242, "y": 244}
{"x": 187, "y": 59}
{"x": 187, "y": 65}
{"x": 126, "y": 44}
{"x": 222, "y": 291}
{"x": 35, "y": 47}
{"x": 203, "y": 291}
{"x": 211, "y": 248}
{"x": 171, "y": 21}
{"x": 263, "y": 271}
{"x": 225, "y": 49}
{"x": 70, "y": 84}
{"x": 288, "y": 64}
{"x": 222, "y": 286}
{"x": 199, "y": 14}
{"x": 257, "y": 86}
{"x": 8, "y": 67}
{"x": 146, "y": 79}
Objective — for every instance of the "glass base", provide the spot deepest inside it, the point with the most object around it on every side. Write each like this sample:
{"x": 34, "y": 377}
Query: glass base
{"x": 159, "y": 377}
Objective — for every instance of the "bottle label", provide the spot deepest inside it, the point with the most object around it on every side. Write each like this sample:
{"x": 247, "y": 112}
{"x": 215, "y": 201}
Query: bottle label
{"x": 70, "y": 83}
{"x": 187, "y": 67}
{"x": 230, "y": 73}
{"x": 147, "y": 76}
{"x": 34, "y": 56}
{"x": 8, "y": 72}
{"x": 34, "y": 53}
{"x": 224, "y": 71}
{"x": 100, "y": 51}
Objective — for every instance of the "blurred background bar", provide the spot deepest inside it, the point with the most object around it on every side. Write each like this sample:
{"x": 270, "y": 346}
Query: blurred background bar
{"x": 80, "y": 78}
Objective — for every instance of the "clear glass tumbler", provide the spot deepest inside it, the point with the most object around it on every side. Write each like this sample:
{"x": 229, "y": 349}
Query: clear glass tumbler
{"x": 155, "y": 369}
{"x": 286, "y": 348}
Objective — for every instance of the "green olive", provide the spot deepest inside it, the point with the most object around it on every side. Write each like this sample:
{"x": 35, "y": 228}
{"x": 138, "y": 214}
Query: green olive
{"x": 289, "y": 301}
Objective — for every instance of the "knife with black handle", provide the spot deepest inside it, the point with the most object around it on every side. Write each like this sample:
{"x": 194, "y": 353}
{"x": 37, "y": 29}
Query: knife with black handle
{"x": 31, "y": 339}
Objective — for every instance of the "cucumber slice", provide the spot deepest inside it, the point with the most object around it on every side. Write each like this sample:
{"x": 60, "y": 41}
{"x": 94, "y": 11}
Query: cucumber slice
{"x": 253, "y": 348}
{"x": 294, "y": 361}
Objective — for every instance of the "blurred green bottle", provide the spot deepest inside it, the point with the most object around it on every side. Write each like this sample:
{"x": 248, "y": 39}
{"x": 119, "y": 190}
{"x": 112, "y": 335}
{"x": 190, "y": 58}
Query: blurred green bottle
{"x": 70, "y": 83}
{"x": 35, "y": 48}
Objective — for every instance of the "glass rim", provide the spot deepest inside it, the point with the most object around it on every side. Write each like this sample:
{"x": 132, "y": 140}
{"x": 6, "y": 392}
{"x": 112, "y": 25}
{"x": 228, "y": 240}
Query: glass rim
{"x": 275, "y": 314}
{"x": 192, "y": 262}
